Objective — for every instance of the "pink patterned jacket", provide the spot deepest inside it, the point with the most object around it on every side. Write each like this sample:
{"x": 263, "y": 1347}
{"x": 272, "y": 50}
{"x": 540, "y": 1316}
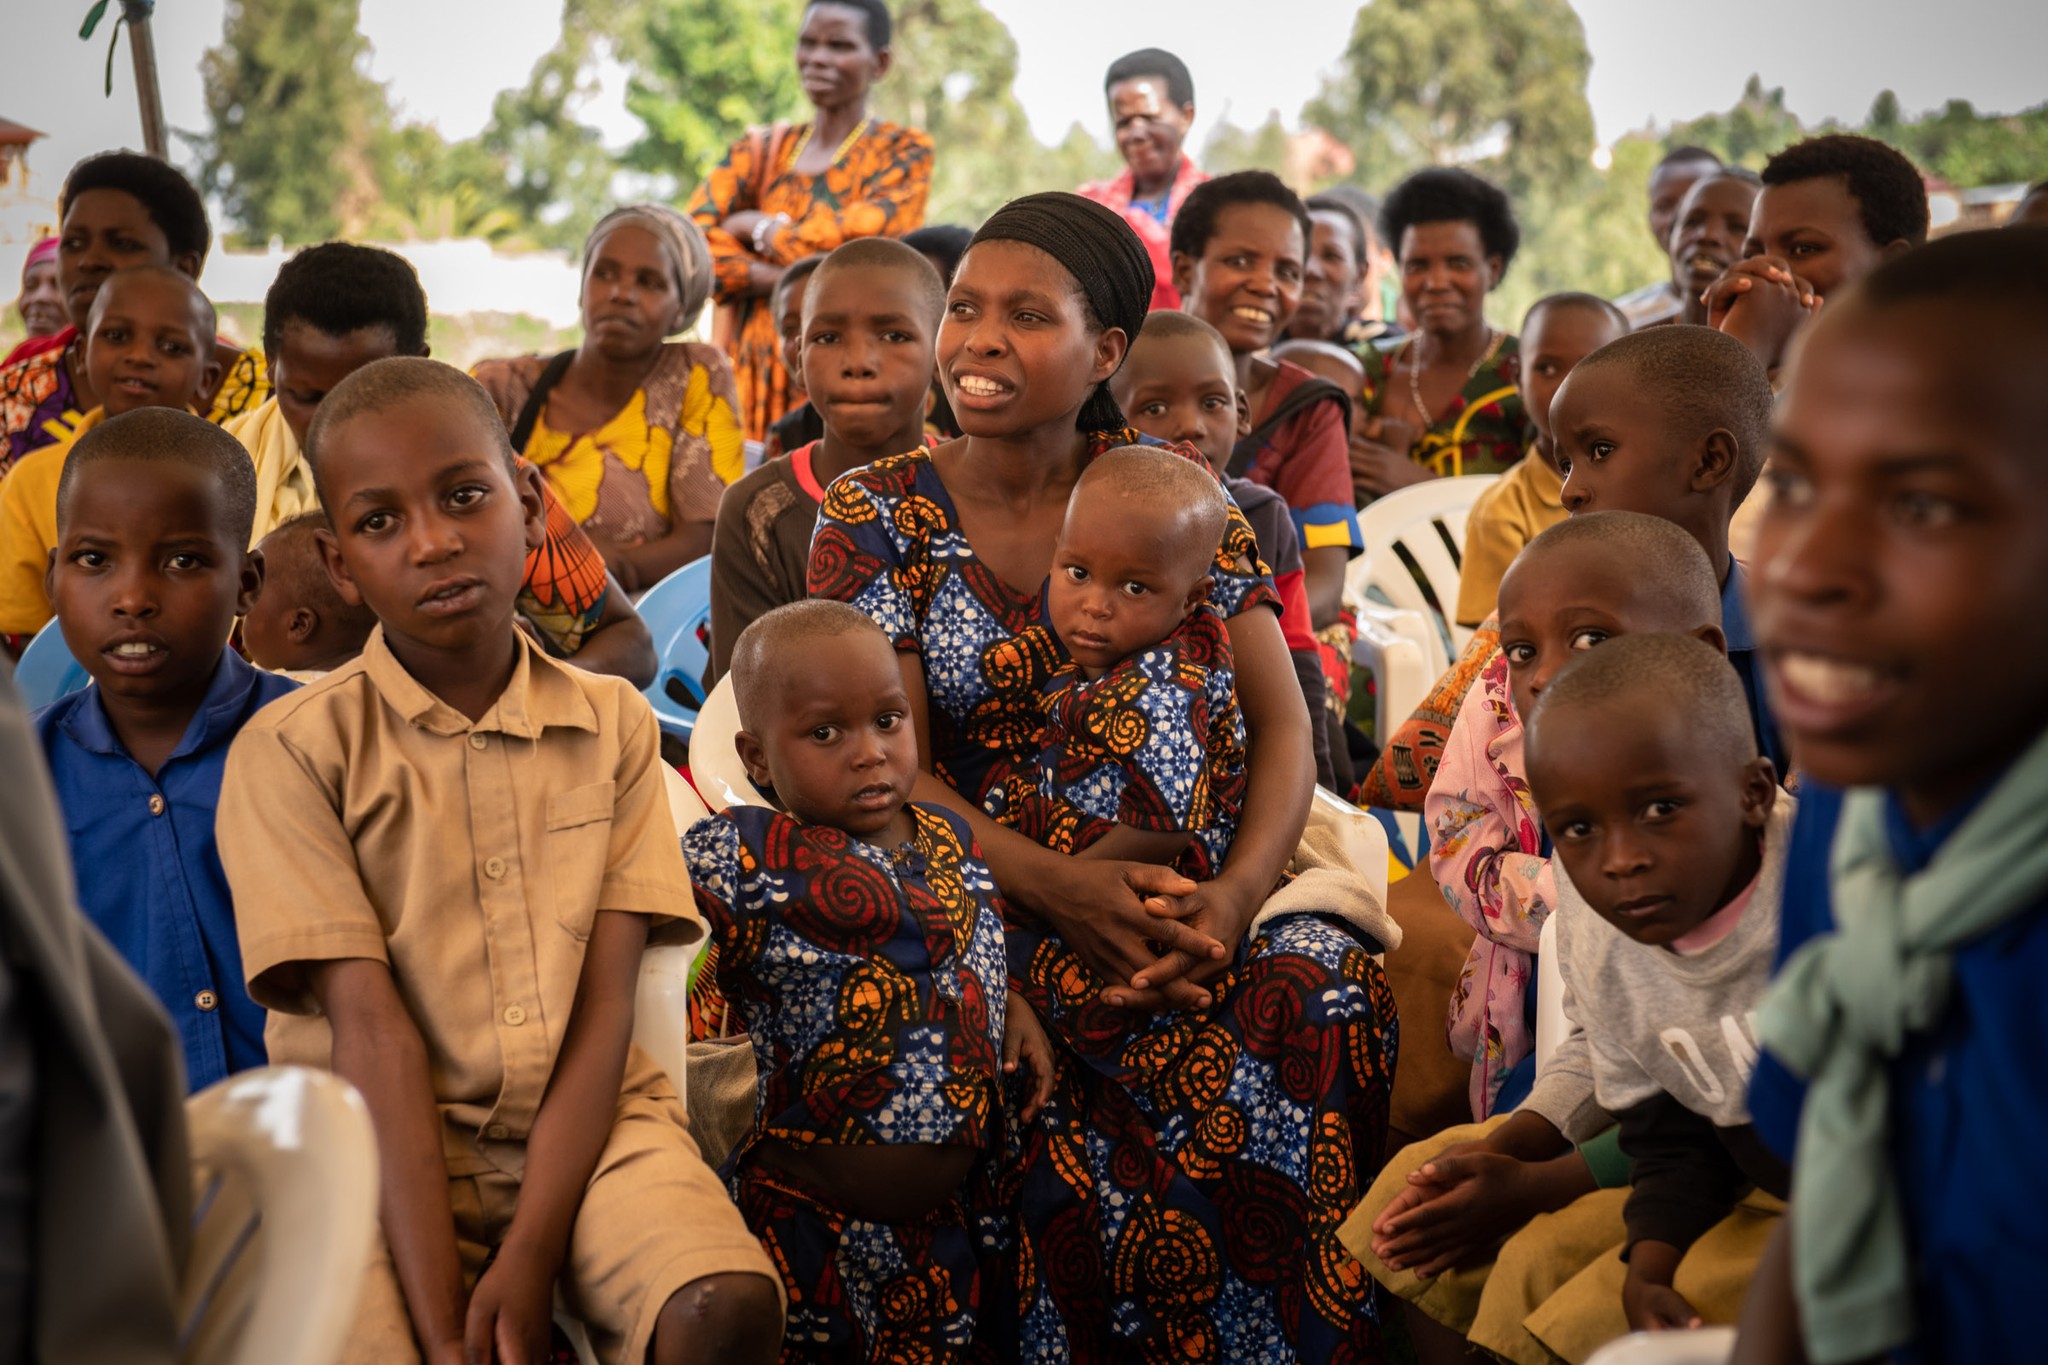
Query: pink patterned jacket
{"x": 1486, "y": 853}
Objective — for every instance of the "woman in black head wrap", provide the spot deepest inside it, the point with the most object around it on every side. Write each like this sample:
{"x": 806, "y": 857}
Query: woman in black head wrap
{"x": 1157, "y": 1211}
{"x": 1108, "y": 272}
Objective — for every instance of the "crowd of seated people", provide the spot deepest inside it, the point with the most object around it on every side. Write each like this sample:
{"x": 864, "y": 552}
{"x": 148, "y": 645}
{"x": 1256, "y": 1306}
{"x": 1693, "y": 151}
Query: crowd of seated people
{"x": 1048, "y": 1025}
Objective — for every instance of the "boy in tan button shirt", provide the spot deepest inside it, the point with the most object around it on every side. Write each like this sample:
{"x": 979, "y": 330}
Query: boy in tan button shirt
{"x": 446, "y": 858}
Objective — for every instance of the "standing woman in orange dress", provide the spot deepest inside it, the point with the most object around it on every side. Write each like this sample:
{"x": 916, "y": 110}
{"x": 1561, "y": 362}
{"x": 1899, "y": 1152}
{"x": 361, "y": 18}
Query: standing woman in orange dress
{"x": 795, "y": 190}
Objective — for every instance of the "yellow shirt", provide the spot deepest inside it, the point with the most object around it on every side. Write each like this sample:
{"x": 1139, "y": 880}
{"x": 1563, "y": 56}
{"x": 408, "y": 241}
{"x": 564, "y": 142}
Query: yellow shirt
{"x": 665, "y": 457}
{"x": 28, "y": 531}
{"x": 362, "y": 816}
{"x": 1521, "y": 505}
{"x": 284, "y": 481}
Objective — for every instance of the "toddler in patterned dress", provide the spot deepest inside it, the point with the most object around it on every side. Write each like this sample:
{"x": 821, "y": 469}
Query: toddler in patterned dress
{"x": 1143, "y": 752}
{"x": 859, "y": 939}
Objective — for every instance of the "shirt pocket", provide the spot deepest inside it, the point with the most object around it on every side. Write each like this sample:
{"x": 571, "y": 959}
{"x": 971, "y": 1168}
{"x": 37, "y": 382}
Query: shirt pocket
{"x": 579, "y": 850}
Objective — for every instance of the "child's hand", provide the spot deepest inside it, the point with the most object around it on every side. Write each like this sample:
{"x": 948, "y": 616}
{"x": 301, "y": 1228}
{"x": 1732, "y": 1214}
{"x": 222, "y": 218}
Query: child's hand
{"x": 1024, "y": 1041}
{"x": 1647, "y": 1297}
{"x": 1456, "y": 1206}
{"x": 511, "y": 1314}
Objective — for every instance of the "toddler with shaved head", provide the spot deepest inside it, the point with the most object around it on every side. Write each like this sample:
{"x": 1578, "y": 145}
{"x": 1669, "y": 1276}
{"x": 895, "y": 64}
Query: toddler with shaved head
{"x": 1143, "y": 752}
{"x": 858, "y": 941}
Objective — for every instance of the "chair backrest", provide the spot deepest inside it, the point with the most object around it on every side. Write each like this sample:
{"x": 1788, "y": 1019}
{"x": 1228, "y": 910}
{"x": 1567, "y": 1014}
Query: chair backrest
{"x": 1414, "y": 547}
{"x": 677, "y": 611}
{"x": 47, "y": 671}
{"x": 1552, "y": 1023}
{"x": 685, "y": 807}
{"x": 714, "y": 763}
{"x": 286, "y": 1169}
{"x": 1701, "y": 1346}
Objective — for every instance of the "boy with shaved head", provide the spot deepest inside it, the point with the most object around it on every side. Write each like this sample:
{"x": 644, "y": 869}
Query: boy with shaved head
{"x": 1671, "y": 839}
{"x": 858, "y": 940}
{"x": 297, "y": 624}
{"x": 150, "y": 569}
{"x": 448, "y": 856}
{"x": 1674, "y": 421}
{"x": 869, "y": 324}
{"x": 1142, "y": 756}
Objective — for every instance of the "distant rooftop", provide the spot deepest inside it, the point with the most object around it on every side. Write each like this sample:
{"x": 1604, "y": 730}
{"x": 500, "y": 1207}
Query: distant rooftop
{"x": 14, "y": 134}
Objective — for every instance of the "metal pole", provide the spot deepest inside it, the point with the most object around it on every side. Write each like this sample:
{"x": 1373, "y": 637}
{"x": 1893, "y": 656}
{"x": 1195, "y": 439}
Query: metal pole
{"x": 147, "y": 93}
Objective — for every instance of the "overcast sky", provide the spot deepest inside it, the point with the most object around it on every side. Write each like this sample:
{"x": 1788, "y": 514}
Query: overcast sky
{"x": 1653, "y": 61}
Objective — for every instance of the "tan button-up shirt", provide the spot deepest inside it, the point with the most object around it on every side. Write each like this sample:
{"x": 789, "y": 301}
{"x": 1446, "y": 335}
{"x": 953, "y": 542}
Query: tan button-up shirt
{"x": 364, "y": 817}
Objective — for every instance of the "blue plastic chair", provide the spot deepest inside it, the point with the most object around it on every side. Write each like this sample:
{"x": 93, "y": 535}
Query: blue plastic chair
{"x": 677, "y": 611}
{"x": 47, "y": 671}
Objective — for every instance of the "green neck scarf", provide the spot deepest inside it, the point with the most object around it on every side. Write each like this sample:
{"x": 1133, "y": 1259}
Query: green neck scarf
{"x": 1842, "y": 1008}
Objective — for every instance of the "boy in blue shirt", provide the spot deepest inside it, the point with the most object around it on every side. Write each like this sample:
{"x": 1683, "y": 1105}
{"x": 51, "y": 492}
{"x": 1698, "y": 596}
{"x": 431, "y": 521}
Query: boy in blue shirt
{"x": 150, "y": 570}
{"x": 1897, "y": 607}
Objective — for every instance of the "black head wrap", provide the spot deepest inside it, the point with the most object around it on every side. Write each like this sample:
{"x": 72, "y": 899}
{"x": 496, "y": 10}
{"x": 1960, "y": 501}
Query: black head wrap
{"x": 1104, "y": 256}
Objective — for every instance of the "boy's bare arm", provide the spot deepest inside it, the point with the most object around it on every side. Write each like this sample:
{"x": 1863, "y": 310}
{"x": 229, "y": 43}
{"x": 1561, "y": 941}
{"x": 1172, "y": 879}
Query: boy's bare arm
{"x": 1768, "y": 1333}
{"x": 512, "y": 1306}
{"x": 1126, "y": 844}
{"x": 379, "y": 1050}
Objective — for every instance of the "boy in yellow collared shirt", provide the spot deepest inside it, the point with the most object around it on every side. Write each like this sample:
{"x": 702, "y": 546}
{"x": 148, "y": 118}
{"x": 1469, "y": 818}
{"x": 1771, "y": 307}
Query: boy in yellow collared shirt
{"x": 447, "y": 856}
{"x": 149, "y": 344}
{"x": 1559, "y": 331}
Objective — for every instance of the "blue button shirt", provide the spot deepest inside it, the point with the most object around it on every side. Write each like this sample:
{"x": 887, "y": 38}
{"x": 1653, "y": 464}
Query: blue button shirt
{"x": 1968, "y": 1108}
{"x": 1749, "y": 664}
{"x": 148, "y": 873}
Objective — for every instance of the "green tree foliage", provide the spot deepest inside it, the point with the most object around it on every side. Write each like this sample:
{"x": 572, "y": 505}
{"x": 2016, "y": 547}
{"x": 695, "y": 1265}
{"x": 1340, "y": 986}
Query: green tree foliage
{"x": 955, "y": 64}
{"x": 297, "y": 127}
{"x": 701, "y": 74}
{"x": 1497, "y": 85}
{"x": 1231, "y": 148}
{"x": 548, "y": 169}
{"x": 1967, "y": 148}
{"x": 1748, "y": 132}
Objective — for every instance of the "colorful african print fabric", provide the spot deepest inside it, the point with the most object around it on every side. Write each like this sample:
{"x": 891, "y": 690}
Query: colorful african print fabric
{"x": 862, "y": 1291}
{"x": 1485, "y": 428}
{"x": 877, "y": 188}
{"x": 872, "y": 985}
{"x": 565, "y": 587}
{"x": 1156, "y": 743}
{"x": 870, "y": 980}
{"x": 1180, "y": 1198}
{"x": 38, "y": 406}
{"x": 889, "y": 542}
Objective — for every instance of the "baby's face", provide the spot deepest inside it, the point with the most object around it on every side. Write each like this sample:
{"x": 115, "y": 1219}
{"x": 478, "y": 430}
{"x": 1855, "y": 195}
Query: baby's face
{"x": 1121, "y": 579}
{"x": 836, "y": 741}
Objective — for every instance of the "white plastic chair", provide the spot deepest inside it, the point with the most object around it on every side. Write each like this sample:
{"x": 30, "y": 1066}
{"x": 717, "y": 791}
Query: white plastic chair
{"x": 1553, "y": 1025}
{"x": 1422, "y": 525}
{"x": 661, "y": 1006}
{"x": 286, "y": 1169}
{"x": 1400, "y": 670}
{"x": 714, "y": 761}
{"x": 661, "y": 1002}
{"x": 1702, "y": 1346}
